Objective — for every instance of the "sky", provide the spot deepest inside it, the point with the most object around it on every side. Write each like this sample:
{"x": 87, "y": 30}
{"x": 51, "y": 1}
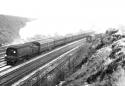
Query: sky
{"x": 65, "y": 16}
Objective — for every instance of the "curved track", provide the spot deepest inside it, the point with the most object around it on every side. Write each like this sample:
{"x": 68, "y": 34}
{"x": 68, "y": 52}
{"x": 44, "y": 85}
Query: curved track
{"x": 2, "y": 55}
{"x": 15, "y": 73}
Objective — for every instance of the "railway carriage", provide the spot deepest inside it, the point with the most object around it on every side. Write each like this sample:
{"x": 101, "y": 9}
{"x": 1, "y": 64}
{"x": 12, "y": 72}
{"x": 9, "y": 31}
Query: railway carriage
{"x": 69, "y": 39}
{"x": 17, "y": 53}
{"x": 46, "y": 45}
{"x": 58, "y": 42}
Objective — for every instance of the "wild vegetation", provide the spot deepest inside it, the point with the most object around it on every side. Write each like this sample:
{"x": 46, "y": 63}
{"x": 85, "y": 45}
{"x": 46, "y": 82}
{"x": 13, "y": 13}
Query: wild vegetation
{"x": 105, "y": 65}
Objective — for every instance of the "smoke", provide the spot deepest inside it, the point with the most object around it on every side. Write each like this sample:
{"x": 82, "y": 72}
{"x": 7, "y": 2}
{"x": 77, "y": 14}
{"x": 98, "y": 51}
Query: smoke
{"x": 47, "y": 29}
{"x": 122, "y": 29}
{"x": 50, "y": 26}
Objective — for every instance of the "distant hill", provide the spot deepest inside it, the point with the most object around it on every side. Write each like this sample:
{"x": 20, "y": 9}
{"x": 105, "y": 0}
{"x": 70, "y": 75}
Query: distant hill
{"x": 10, "y": 26}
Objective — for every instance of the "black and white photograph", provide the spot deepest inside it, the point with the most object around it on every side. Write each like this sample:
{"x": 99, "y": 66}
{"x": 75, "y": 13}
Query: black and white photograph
{"x": 62, "y": 43}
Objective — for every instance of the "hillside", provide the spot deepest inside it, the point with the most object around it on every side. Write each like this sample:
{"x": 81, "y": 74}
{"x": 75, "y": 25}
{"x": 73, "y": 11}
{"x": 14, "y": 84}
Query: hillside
{"x": 9, "y": 27}
{"x": 105, "y": 63}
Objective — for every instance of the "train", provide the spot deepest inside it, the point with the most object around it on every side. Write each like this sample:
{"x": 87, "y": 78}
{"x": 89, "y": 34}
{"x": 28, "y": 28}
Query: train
{"x": 16, "y": 54}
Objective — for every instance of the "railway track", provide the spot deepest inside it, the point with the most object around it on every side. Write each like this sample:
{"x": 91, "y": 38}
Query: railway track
{"x": 13, "y": 74}
{"x": 3, "y": 48}
{"x": 3, "y": 64}
{"x": 2, "y": 52}
{"x": 2, "y": 60}
{"x": 4, "y": 68}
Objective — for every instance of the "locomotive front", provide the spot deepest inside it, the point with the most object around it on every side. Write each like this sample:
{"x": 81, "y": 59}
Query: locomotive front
{"x": 20, "y": 52}
{"x": 11, "y": 57}
{"x": 11, "y": 51}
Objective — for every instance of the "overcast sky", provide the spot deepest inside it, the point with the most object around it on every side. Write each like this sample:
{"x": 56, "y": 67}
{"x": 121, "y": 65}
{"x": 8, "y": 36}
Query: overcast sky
{"x": 65, "y": 16}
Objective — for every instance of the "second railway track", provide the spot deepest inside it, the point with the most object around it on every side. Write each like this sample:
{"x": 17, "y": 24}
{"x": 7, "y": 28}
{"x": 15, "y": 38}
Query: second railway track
{"x": 15, "y": 73}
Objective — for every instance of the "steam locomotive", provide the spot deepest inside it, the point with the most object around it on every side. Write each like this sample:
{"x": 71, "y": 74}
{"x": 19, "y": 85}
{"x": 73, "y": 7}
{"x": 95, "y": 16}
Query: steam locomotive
{"x": 15, "y": 54}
